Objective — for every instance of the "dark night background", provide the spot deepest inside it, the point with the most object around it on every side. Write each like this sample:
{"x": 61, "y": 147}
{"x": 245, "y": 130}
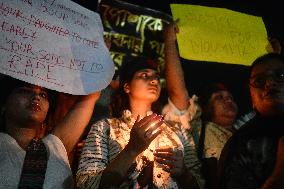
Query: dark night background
{"x": 198, "y": 74}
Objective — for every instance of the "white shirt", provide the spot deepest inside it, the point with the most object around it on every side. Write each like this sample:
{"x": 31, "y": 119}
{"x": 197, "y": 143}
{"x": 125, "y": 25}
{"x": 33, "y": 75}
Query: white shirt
{"x": 58, "y": 174}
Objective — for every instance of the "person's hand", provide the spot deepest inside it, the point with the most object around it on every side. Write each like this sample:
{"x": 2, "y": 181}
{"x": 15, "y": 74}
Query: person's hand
{"x": 170, "y": 31}
{"x": 143, "y": 132}
{"x": 171, "y": 160}
{"x": 276, "y": 45}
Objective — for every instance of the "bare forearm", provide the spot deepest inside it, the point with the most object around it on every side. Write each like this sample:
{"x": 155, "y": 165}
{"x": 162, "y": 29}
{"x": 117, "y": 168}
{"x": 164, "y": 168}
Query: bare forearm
{"x": 275, "y": 181}
{"x": 72, "y": 126}
{"x": 116, "y": 171}
{"x": 175, "y": 76}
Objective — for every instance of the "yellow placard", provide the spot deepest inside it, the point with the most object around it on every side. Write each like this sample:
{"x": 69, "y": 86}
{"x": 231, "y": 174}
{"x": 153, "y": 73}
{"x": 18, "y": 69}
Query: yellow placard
{"x": 219, "y": 35}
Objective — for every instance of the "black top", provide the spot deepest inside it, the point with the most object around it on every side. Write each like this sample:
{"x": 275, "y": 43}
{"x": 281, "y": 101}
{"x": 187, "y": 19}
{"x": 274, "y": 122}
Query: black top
{"x": 248, "y": 157}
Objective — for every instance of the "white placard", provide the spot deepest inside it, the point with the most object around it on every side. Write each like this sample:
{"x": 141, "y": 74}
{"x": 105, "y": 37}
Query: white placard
{"x": 56, "y": 44}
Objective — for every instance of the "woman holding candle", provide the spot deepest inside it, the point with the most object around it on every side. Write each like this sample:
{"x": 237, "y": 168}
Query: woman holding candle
{"x": 126, "y": 152}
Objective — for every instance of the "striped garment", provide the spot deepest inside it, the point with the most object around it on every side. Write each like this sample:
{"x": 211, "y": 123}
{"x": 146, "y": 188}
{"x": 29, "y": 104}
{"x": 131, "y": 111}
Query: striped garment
{"x": 107, "y": 138}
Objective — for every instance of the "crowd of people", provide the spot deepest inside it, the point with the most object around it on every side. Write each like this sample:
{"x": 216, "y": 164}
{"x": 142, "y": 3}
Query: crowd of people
{"x": 189, "y": 142}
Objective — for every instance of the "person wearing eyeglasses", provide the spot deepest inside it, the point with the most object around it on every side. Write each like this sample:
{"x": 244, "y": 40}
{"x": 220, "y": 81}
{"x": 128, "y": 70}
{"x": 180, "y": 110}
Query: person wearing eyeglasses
{"x": 254, "y": 156}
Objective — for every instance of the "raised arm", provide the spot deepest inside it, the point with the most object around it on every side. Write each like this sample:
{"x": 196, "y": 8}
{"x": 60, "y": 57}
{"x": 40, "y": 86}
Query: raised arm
{"x": 173, "y": 71}
{"x": 71, "y": 127}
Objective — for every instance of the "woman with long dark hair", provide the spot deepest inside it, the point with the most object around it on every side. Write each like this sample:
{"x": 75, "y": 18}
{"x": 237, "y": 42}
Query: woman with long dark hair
{"x": 137, "y": 148}
{"x": 31, "y": 157}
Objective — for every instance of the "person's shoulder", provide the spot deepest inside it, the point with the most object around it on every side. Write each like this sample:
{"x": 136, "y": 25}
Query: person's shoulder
{"x": 6, "y": 139}
{"x": 55, "y": 146}
{"x": 240, "y": 137}
{"x": 51, "y": 138}
{"x": 249, "y": 127}
{"x": 210, "y": 126}
{"x": 3, "y": 136}
{"x": 213, "y": 128}
{"x": 264, "y": 126}
{"x": 104, "y": 125}
{"x": 103, "y": 122}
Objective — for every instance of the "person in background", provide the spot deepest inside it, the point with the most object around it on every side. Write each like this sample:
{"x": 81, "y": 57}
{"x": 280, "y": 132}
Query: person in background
{"x": 137, "y": 148}
{"x": 216, "y": 105}
{"x": 31, "y": 157}
{"x": 253, "y": 157}
{"x": 219, "y": 112}
{"x": 276, "y": 47}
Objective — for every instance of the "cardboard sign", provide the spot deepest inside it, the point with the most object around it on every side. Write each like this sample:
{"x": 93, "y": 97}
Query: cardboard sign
{"x": 219, "y": 35}
{"x": 56, "y": 44}
{"x": 133, "y": 31}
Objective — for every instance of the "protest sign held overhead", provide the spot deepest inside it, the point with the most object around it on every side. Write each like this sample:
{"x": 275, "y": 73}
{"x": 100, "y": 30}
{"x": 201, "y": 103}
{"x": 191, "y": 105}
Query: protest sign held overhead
{"x": 133, "y": 30}
{"x": 56, "y": 44}
{"x": 219, "y": 35}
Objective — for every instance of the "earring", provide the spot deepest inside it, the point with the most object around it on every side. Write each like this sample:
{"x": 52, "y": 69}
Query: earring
{"x": 125, "y": 88}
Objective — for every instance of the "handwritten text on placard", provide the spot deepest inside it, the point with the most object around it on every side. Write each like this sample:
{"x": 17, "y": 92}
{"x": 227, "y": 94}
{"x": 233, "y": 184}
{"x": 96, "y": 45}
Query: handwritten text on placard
{"x": 55, "y": 44}
{"x": 219, "y": 35}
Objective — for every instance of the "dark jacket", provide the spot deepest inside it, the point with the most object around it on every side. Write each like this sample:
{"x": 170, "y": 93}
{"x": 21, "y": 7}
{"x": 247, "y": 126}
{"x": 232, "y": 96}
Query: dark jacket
{"x": 248, "y": 158}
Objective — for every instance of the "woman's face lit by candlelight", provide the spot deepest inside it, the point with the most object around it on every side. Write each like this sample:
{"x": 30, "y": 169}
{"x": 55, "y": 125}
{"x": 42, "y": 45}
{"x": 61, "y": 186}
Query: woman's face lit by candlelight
{"x": 145, "y": 86}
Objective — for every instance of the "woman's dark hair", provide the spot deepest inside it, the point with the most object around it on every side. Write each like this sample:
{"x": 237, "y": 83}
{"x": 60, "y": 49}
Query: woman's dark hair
{"x": 205, "y": 96}
{"x": 8, "y": 84}
{"x": 119, "y": 99}
{"x": 265, "y": 58}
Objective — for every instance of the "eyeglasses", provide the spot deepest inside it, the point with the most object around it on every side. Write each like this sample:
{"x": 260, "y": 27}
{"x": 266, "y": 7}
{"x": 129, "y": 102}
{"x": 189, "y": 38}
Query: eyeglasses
{"x": 259, "y": 80}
